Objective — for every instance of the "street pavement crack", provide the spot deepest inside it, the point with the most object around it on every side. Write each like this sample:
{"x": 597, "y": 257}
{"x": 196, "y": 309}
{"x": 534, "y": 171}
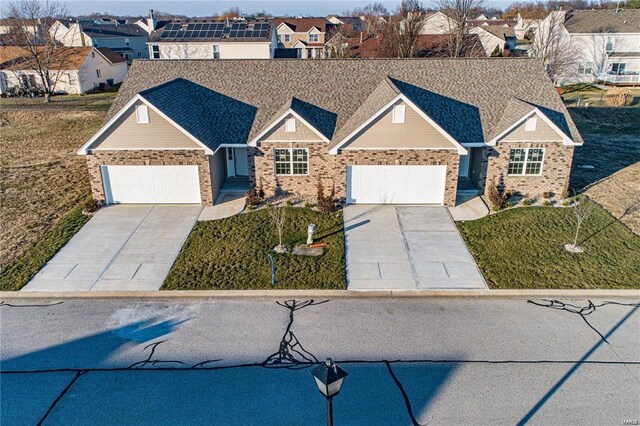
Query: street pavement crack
{"x": 405, "y": 396}
{"x": 11, "y": 305}
{"x": 61, "y": 395}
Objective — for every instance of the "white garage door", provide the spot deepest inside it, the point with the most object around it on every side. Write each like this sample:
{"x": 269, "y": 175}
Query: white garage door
{"x": 151, "y": 184}
{"x": 396, "y": 184}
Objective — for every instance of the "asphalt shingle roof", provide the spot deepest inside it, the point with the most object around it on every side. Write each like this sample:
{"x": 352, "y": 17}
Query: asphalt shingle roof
{"x": 603, "y": 21}
{"x": 467, "y": 97}
{"x": 111, "y": 30}
{"x": 209, "y": 116}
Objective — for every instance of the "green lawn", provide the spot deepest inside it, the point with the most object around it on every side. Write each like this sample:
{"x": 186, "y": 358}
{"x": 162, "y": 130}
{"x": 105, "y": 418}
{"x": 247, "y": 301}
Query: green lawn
{"x": 18, "y": 273}
{"x": 524, "y": 248}
{"x": 233, "y": 253}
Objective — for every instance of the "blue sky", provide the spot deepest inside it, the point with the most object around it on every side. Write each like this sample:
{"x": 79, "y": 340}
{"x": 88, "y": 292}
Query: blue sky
{"x": 195, "y": 8}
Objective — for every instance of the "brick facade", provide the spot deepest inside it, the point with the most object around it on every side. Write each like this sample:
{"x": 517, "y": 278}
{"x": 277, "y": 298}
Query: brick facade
{"x": 332, "y": 169}
{"x": 149, "y": 158}
{"x": 556, "y": 169}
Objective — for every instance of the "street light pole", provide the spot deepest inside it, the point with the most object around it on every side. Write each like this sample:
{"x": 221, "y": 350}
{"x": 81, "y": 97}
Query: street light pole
{"x": 330, "y": 411}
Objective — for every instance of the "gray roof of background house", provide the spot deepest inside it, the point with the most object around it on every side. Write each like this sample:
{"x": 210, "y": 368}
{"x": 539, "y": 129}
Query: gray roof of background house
{"x": 467, "y": 97}
{"x": 603, "y": 21}
{"x": 112, "y": 30}
{"x": 499, "y": 31}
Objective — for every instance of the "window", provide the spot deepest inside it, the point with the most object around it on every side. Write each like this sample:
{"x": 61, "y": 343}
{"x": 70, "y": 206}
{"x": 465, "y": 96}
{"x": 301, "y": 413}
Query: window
{"x": 309, "y": 53}
{"x": 290, "y": 125}
{"x": 585, "y": 68}
{"x": 216, "y": 51}
{"x": 286, "y": 38}
{"x": 98, "y": 73}
{"x": 618, "y": 68}
{"x": 610, "y": 45}
{"x": 291, "y": 161}
{"x": 142, "y": 114}
{"x": 155, "y": 51}
{"x": 525, "y": 161}
{"x": 397, "y": 116}
{"x": 72, "y": 79}
{"x": 126, "y": 42}
{"x": 139, "y": 54}
{"x": 530, "y": 124}
{"x": 314, "y": 38}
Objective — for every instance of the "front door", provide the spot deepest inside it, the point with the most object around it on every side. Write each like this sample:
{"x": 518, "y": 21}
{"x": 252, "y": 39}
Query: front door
{"x": 476, "y": 165}
{"x": 242, "y": 163}
{"x": 231, "y": 162}
{"x": 463, "y": 170}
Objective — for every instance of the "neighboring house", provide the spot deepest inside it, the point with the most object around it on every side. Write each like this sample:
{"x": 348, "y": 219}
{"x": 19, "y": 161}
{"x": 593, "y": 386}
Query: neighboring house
{"x": 306, "y": 35}
{"x": 355, "y": 22}
{"x": 30, "y": 25}
{"x": 437, "y": 23}
{"x": 606, "y": 44}
{"x": 495, "y": 38}
{"x": 525, "y": 28}
{"x": 405, "y": 131}
{"x": 207, "y": 39}
{"x": 129, "y": 40}
{"x": 77, "y": 70}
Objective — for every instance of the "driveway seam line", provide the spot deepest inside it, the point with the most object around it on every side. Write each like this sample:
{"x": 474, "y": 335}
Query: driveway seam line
{"x": 115, "y": 256}
{"x": 406, "y": 247}
{"x": 69, "y": 273}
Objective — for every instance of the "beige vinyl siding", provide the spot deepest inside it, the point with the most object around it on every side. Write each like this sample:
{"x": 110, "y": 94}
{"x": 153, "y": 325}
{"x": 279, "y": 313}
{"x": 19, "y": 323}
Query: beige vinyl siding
{"x": 415, "y": 132}
{"x": 126, "y": 133}
{"x": 543, "y": 133}
{"x": 302, "y": 133}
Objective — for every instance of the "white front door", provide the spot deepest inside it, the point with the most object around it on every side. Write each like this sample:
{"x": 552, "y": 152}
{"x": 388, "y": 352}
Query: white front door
{"x": 151, "y": 184}
{"x": 463, "y": 171}
{"x": 242, "y": 162}
{"x": 396, "y": 184}
{"x": 231, "y": 162}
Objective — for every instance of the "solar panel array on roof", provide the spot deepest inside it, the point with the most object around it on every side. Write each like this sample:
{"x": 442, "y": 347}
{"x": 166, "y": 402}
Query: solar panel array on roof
{"x": 209, "y": 30}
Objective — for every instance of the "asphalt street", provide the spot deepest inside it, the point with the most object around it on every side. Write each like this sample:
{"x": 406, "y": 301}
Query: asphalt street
{"x": 439, "y": 361}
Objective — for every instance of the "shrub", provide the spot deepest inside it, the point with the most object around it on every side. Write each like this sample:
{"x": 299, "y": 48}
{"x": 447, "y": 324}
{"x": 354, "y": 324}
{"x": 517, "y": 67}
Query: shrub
{"x": 547, "y": 203}
{"x": 253, "y": 197}
{"x": 90, "y": 206}
{"x": 527, "y": 202}
{"x": 547, "y": 195}
{"x": 308, "y": 205}
{"x": 288, "y": 203}
{"x": 497, "y": 194}
{"x": 326, "y": 204}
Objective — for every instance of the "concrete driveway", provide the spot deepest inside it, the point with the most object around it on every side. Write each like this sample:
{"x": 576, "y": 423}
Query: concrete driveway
{"x": 123, "y": 247}
{"x": 406, "y": 248}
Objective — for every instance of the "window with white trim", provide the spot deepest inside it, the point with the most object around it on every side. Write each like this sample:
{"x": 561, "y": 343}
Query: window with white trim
{"x": 142, "y": 114}
{"x": 585, "y": 68}
{"x": 216, "y": 51}
{"x": 98, "y": 73}
{"x": 155, "y": 51}
{"x": 314, "y": 38}
{"x": 286, "y": 38}
{"x": 398, "y": 114}
{"x": 610, "y": 44}
{"x": 290, "y": 125}
{"x": 291, "y": 161}
{"x": 525, "y": 161}
{"x": 530, "y": 124}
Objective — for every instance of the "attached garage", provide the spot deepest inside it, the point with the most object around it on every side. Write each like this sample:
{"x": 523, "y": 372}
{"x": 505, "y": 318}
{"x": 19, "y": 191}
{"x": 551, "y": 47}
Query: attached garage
{"x": 151, "y": 184}
{"x": 409, "y": 184}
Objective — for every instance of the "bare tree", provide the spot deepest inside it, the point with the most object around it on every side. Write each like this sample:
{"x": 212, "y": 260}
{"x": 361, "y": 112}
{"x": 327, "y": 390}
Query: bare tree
{"x": 459, "y": 13}
{"x": 337, "y": 46}
{"x": 278, "y": 216}
{"x": 402, "y": 31}
{"x": 555, "y": 48}
{"x": 31, "y": 27}
{"x": 581, "y": 211}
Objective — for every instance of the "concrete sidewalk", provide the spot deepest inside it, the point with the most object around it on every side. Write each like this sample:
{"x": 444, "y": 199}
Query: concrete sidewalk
{"x": 406, "y": 248}
{"x": 123, "y": 247}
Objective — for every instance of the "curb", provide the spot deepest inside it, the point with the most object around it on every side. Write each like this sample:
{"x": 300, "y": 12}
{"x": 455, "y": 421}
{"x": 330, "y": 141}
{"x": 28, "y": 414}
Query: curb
{"x": 352, "y": 294}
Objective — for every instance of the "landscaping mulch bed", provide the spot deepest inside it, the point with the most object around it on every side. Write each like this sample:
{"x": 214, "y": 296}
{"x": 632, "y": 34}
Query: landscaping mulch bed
{"x": 233, "y": 253}
{"x": 524, "y": 248}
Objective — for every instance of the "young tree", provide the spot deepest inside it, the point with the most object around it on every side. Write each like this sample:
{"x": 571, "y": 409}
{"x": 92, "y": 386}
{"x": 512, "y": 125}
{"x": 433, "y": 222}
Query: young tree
{"x": 401, "y": 32}
{"x": 581, "y": 211}
{"x": 278, "y": 216}
{"x": 459, "y": 12}
{"x": 31, "y": 27}
{"x": 555, "y": 48}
